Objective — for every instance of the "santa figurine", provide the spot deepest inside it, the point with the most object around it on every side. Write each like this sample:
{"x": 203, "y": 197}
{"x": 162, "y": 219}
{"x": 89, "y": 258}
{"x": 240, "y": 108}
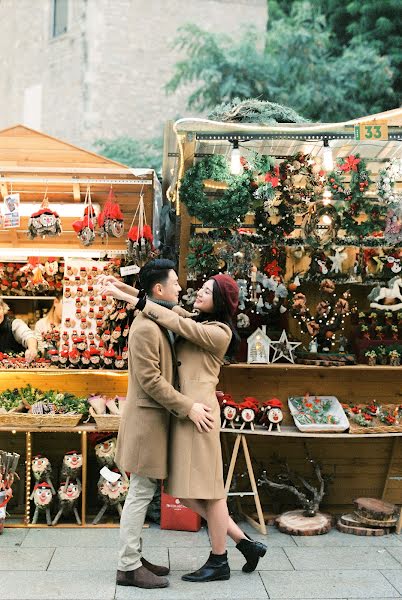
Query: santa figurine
{"x": 272, "y": 414}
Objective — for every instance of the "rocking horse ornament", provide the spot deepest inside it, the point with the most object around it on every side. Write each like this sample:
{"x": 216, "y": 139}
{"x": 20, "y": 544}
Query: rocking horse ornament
{"x": 387, "y": 298}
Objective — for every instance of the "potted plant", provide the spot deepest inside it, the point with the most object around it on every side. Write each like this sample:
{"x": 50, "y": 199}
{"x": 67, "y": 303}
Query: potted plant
{"x": 371, "y": 357}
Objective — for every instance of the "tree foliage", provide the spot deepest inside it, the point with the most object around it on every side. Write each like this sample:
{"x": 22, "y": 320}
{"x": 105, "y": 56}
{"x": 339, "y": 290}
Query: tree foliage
{"x": 298, "y": 64}
{"x": 141, "y": 154}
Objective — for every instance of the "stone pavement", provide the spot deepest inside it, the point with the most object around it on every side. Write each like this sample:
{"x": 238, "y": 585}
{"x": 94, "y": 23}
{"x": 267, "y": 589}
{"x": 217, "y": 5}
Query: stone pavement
{"x": 64, "y": 564}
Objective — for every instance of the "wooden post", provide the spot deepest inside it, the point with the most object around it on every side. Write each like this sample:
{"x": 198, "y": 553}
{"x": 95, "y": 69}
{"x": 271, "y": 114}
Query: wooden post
{"x": 84, "y": 452}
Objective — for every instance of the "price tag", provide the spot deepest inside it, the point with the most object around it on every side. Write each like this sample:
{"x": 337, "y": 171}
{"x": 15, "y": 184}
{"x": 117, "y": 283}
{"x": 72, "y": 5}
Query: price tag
{"x": 109, "y": 475}
{"x": 130, "y": 270}
{"x": 371, "y": 130}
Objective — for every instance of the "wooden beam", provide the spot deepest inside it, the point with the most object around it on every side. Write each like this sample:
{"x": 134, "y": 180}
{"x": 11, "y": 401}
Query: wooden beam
{"x": 4, "y": 190}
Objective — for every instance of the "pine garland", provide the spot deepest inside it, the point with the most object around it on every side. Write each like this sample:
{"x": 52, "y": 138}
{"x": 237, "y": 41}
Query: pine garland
{"x": 255, "y": 111}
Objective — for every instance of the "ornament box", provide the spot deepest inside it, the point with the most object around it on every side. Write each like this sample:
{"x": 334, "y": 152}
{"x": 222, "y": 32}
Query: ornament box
{"x": 335, "y": 410}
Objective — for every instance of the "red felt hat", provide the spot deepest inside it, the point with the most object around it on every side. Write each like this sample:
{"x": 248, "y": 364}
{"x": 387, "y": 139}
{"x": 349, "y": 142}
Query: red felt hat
{"x": 274, "y": 403}
{"x": 229, "y": 291}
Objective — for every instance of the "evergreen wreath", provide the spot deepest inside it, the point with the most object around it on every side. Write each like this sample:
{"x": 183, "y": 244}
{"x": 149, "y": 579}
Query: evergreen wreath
{"x": 351, "y": 202}
{"x": 228, "y": 207}
{"x": 289, "y": 171}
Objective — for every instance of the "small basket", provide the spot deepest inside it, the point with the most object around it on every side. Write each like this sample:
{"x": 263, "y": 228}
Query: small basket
{"x": 105, "y": 422}
{"x": 29, "y": 420}
{"x": 358, "y": 429}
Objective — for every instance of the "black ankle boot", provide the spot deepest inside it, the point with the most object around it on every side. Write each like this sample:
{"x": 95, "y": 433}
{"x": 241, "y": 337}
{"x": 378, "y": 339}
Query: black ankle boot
{"x": 252, "y": 552}
{"x": 215, "y": 569}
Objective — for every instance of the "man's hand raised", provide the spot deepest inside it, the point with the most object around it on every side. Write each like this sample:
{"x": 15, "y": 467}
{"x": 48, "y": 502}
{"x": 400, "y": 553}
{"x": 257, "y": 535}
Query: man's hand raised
{"x": 200, "y": 415}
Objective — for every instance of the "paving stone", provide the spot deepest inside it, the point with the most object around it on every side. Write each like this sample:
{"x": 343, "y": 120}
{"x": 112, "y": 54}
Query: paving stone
{"x": 12, "y": 537}
{"x": 162, "y": 537}
{"x": 183, "y": 560}
{"x": 25, "y": 559}
{"x": 60, "y": 585}
{"x": 238, "y": 587}
{"x": 329, "y": 584}
{"x": 76, "y": 538}
{"x": 306, "y": 559}
{"x": 97, "y": 558}
{"x": 337, "y": 538}
{"x": 396, "y": 553}
{"x": 394, "y": 577}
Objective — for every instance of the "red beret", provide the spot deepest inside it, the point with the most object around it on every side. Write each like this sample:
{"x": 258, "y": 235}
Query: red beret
{"x": 229, "y": 290}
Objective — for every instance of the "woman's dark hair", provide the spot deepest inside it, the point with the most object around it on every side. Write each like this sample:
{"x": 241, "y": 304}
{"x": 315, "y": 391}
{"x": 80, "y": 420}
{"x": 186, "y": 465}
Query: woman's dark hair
{"x": 155, "y": 271}
{"x": 221, "y": 314}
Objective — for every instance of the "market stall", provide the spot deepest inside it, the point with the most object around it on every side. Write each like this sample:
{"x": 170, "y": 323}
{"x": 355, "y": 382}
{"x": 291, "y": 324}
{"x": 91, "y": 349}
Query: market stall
{"x": 308, "y": 219}
{"x": 67, "y": 216}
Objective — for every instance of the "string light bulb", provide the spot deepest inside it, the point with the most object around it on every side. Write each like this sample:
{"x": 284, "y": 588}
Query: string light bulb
{"x": 327, "y": 158}
{"x": 327, "y": 197}
{"x": 326, "y": 219}
{"x": 235, "y": 162}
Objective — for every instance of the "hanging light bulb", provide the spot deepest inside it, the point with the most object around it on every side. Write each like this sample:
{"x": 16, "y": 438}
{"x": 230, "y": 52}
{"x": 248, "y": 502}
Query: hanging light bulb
{"x": 326, "y": 219}
{"x": 327, "y": 158}
{"x": 235, "y": 163}
{"x": 327, "y": 197}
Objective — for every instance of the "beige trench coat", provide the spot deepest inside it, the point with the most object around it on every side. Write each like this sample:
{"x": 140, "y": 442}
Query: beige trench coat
{"x": 142, "y": 442}
{"x": 195, "y": 459}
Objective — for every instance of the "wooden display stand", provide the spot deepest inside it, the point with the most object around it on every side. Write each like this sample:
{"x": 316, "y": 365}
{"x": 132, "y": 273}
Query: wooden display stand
{"x": 241, "y": 439}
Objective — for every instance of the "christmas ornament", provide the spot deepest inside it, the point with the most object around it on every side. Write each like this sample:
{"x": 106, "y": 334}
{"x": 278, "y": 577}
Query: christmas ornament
{"x": 283, "y": 348}
{"x": 111, "y": 220}
{"x": 85, "y": 227}
{"x": 44, "y": 222}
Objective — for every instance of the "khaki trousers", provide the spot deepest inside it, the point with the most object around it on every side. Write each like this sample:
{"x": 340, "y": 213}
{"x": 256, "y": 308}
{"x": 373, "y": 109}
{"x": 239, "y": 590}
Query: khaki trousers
{"x": 140, "y": 494}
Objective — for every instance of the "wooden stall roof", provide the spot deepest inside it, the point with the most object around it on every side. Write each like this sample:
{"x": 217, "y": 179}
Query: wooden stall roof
{"x": 33, "y": 163}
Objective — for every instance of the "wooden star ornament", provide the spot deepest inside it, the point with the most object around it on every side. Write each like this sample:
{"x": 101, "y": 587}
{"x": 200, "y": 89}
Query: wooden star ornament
{"x": 283, "y": 348}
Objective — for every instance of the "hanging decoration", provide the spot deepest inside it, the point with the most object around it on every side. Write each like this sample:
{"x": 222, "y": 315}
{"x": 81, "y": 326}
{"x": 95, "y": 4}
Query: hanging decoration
{"x": 320, "y": 224}
{"x": 386, "y": 182}
{"x": 140, "y": 246}
{"x": 227, "y": 206}
{"x": 201, "y": 260}
{"x": 85, "y": 227}
{"x": 359, "y": 215}
{"x": 238, "y": 254}
{"x": 330, "y": 314}
{"x": 44, "y": 222}
{"x": 111, "y": 220}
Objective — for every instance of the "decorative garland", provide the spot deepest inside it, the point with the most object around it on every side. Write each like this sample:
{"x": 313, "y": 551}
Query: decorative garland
{"x": 239, "y": 254}
{"x": 228, "y": 207}
{"x": 291, "y": 170}
{"x": 351, "y": 202}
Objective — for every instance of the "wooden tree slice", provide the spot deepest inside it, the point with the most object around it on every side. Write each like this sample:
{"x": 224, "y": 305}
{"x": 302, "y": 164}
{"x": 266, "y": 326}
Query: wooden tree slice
{"x": 374, "y": 522}
{"x": 355, "y": 530}
{"x": 375, "y": 509}
{"x": 294, "y": 522}
{"x": 350, "y": 519}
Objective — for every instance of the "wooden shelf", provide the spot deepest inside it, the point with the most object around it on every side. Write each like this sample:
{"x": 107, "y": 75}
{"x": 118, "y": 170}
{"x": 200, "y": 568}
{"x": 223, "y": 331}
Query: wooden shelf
{"x": 288, "y": 431}
{"x": 297, "y": 367}
{"x": 27, "y": 297}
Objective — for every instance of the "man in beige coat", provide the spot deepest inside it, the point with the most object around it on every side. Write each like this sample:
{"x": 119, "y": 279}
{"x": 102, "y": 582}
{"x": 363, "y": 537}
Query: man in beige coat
{"x": 142, "y": 444}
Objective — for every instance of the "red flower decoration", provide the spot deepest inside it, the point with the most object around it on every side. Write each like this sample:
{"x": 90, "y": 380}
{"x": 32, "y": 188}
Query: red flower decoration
{"x": 272, "y": 179}
{"x": 350, "y": 164}
{"x": 272, "y": 268}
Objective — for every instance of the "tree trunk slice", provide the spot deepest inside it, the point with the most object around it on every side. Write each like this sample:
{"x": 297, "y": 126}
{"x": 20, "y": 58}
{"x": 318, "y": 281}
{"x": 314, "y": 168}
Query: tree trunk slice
{"x": 294, "y": 523}
{"x": 361, "y": 530}
{"x": 375, "y": 522}
{"x": 375, "y": 509}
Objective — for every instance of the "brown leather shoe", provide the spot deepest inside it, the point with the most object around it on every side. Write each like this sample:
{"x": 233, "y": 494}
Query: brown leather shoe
{"x": 141, "y": 578}
{"x": 155, "y": 569}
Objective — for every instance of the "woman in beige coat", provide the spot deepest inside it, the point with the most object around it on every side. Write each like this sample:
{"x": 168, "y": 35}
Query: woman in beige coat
{"x": 195, "y": 466}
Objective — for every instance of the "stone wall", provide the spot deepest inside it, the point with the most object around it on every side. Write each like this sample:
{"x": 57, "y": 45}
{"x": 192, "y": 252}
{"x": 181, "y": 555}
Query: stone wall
{"x": 105, "y": 77}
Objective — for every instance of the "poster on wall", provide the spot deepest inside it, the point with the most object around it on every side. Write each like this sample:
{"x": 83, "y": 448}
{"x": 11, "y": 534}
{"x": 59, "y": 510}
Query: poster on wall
{"x": 11, "y": 211}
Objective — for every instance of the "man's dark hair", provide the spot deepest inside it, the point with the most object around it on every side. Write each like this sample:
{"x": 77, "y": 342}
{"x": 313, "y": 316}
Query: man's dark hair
{"x": 155, "y": 271}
